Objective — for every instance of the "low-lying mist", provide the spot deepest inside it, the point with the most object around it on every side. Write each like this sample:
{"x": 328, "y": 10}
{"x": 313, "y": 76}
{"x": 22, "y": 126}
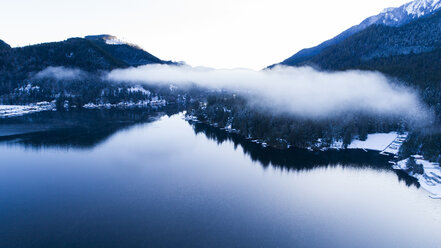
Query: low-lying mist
{"x": 303, "y": 92}
{"x": 61, "y": 73}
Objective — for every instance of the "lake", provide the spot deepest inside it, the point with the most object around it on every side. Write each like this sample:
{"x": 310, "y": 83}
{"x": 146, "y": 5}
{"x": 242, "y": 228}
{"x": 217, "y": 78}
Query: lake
{"x": 152, "y": 179}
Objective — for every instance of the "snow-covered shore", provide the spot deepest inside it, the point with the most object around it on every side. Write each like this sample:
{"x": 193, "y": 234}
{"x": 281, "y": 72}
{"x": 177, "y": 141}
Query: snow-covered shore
{"x": 140, "y": 104}
{"x": 19, "y": 110}
{"x": 430, "y": 179}
{"x": 386, "y": 143}
{"x": 390, "y": 143}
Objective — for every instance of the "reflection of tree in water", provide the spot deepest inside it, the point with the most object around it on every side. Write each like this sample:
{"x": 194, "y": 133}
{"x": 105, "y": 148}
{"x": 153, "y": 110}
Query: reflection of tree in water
{"x": 298, "y": 159}
{"x": 86, "y": 129}
{"x": 74, "y": 129}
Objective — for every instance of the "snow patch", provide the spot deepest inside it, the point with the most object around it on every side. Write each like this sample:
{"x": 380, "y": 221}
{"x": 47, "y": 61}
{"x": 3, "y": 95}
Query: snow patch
{"x": 404, "y": 14}
{"x": 378, "y": 141}
{"x": 419, "y": 8}
{"x": 386, "y": 10}
{"x": 336, "y": 144}
{"x": 28, "y": 88}
{"x": 430, "y": 180}
{"x": 115, "y": 41}
{"x": 19, "y": 110}
{"x": 123, "y": 105}
{"x": 387, "y": 143}
{"x": 140, "y": 89}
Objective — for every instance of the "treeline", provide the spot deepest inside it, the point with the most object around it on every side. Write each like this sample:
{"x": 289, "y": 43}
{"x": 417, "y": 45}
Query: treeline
{"x": 424, "y": 142}
{"x": 421, "y": 72}
{"x": 92, "y": 89}
{"x": 228, "y": 110}
{"x": 92, "y": 55}
{"x": 410, "y": 54}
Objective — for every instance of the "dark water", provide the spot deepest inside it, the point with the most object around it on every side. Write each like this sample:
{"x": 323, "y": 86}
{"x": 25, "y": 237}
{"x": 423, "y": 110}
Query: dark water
{"x": 136, "y": 179}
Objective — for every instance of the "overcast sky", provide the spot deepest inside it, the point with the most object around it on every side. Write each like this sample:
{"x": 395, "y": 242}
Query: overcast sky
{"x": 214, "y": 33}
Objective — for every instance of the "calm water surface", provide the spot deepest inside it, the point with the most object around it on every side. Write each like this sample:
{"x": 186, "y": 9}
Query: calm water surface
{"x": 165, "y": 183}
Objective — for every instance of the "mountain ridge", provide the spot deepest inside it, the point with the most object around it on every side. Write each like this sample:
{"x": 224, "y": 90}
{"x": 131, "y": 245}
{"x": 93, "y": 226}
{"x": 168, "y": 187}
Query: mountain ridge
{"x": 379, "y": 41}
{"x": 393, "y": 17}
{"x": 4, "y": 45}
{"x": 88, "y": 53}
{"x": 93, "y": 54}
{"x": 409, "y": 53}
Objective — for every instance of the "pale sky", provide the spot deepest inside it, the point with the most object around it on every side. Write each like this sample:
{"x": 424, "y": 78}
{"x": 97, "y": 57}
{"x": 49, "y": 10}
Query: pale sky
{"x": 213, "y": 33}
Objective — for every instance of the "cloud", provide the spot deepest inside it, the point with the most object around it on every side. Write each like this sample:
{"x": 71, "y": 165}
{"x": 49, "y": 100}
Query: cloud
{"x": 61, "y": 73}
{"x": 299, "y": 91}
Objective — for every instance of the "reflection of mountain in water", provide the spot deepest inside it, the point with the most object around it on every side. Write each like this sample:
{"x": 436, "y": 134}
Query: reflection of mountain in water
{"x": 298, "y": 160}
{"x": 86, "y": 129}
{"x": 75, "y": 129}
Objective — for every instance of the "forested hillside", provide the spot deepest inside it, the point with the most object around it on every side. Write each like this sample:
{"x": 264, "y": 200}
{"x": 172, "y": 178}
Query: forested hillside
{"x": 88, "y": 57}
{"x": 389, "y": 17}
{"x": 409, "y": 54}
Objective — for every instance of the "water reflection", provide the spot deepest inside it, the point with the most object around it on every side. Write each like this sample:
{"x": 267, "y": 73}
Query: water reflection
{"x": 300, "y": 159}
{"x": 87, "y": 129}
{"x": 75, "y": 129}
{"x": 160, "y": 185}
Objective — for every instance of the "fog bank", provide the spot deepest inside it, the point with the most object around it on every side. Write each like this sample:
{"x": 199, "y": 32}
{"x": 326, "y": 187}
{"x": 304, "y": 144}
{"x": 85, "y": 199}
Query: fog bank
{"x": 299, "y": 91}
{"x": 61, "y": 73}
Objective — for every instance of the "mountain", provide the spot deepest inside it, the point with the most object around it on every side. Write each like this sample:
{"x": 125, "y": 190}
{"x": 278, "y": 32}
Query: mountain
{"x": 379, "y": 41}
{"x": 130, "y": 54}
{"x": 4, "y": 50}
{"x": 410, "y": 53}
{"x": 4, "y": 46}
{"x": 86, "y": 59}
{"x": 404, "y": 44}
{"x": 92, "y": 53}
{"x": 392, "y": 17}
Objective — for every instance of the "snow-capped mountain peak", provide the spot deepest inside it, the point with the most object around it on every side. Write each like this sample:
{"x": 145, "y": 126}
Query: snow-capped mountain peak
{"x": 387, "y": 10}
{"x": 420, "y": 8}
{"x": 393, "y": 17}
{"x": 108, "y": 39}
{"x": 405, "y": 13}
{"x": 112, "y": 40}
